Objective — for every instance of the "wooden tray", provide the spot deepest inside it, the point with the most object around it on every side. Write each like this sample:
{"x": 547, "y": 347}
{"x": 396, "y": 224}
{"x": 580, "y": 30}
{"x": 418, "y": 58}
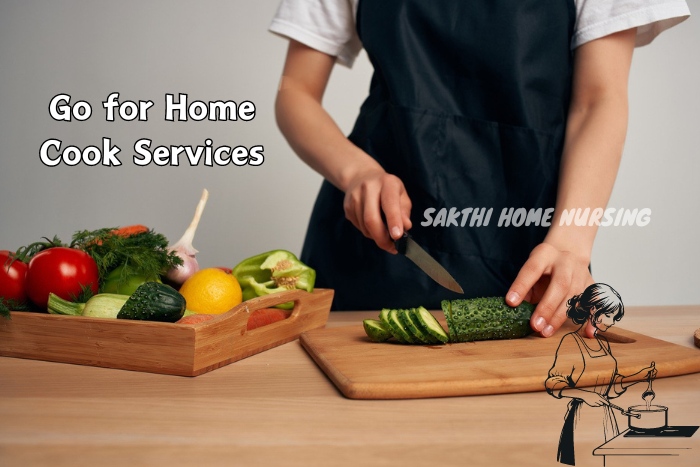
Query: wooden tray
{"x": 361, "y": 369}
{"x": 165, "y": 348}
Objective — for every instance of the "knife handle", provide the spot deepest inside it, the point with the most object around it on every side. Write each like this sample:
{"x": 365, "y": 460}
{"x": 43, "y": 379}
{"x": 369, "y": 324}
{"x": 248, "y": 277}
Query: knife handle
{"x": 400, "y": 243}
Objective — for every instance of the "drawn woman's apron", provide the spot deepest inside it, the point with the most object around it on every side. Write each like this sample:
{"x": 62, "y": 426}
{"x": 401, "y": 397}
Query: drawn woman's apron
{"x": 467, "y": 106}
{"x": 600, "y": 420}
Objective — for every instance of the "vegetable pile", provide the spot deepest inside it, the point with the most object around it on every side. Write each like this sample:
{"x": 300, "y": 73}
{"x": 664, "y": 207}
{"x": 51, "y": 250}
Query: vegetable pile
{"x": 95, "y": 264}
{"x": 133, "y": 273}
{"x": 467, "y": 320}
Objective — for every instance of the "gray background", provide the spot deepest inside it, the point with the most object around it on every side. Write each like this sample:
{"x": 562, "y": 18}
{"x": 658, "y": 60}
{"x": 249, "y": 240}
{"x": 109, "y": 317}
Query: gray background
{"x": 221, "y": 50}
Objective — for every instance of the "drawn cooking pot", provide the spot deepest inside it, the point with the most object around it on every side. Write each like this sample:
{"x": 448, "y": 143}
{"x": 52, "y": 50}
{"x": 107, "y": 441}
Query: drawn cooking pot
{"x": 653, "y": 419}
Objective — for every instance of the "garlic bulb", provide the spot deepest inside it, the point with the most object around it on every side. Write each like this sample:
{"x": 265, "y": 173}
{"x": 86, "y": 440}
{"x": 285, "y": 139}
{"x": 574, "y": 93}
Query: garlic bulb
{"x": 184, "y": 249}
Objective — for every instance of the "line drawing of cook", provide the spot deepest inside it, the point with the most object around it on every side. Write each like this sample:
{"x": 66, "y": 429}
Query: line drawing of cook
{"x": 600, "y": 306}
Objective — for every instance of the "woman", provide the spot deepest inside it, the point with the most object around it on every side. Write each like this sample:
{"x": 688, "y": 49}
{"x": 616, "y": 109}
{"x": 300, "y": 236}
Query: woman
{"x": 473, "y": 104}
{"x": 601, "y": 307}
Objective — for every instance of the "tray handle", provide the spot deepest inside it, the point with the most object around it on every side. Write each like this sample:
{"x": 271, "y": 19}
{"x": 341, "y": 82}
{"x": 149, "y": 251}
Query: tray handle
{"x": 241, "y": 313}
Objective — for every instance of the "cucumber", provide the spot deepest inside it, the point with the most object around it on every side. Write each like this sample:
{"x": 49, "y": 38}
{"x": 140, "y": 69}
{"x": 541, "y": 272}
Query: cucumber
{"x": 376, "y": 330}
{"x": 154, "y": 301}
{"x": 384, "y": 317}
{"x": 431, "y": 325}
{"x": 486, "y": 318}
{"x": 413, "y": 326}
{"x": 398, "y": 330}
{"x": 406, "y": 326}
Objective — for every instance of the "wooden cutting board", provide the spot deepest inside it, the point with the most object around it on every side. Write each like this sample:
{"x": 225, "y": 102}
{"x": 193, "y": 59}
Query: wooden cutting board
{"x": 362, "y": 369}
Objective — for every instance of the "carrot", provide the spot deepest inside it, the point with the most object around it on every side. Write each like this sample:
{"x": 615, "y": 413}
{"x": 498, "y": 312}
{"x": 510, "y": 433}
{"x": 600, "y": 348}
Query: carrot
{"x": 194, "y": 319}
{"x": 126, "y": 231}
{"x": 265, "y": 316}
{"x": 130, "y": 230}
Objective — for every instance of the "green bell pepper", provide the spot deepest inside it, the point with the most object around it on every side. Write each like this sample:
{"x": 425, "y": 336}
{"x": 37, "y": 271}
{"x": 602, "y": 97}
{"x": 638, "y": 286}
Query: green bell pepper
{"x": 271, "y": 272}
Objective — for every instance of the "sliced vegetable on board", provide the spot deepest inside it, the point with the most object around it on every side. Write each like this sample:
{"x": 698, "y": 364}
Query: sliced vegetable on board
{"x": 376, "y": 330}
{"x": 467, "y": 320}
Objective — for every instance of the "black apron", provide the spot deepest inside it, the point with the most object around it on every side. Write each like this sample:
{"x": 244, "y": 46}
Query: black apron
{"x": 467, "y": 106}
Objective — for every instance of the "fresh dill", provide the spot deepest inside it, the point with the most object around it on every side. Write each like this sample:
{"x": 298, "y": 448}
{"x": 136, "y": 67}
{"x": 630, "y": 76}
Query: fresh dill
{"x": 141, "y": 254}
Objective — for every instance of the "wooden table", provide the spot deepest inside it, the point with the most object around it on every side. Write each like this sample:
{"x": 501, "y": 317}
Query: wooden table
{"x": 278, "y": 408}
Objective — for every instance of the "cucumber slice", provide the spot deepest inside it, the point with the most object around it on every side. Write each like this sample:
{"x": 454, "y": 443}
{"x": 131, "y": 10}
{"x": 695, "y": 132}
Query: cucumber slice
{"x": 398, "y": 330}
{"x": 406, "y": 318}
{"x": 422, "y": 329}
{"x": 431, "y": 325}
{"x": 376, "y": 330}
{"x": 384, "y": 317}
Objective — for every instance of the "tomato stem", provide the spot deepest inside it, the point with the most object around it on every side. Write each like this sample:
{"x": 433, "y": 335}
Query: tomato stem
{"x": 25, "y": 253}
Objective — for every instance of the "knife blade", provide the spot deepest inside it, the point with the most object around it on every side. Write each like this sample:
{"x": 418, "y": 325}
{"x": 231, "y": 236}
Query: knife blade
{"x": 413, "y": 251}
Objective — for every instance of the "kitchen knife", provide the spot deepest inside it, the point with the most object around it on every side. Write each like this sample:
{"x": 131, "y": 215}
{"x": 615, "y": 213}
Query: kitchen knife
{"x": 409, "y": 248}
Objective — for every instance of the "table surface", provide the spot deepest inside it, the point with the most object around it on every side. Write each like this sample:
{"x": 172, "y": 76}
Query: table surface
{"x": 278, "y": 408}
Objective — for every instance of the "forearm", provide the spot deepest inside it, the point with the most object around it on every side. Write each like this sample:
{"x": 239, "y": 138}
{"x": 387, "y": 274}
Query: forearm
{"x": 575, "y": 393}
{"x": 590, "y": 162}
{"x": 375, "y": 202}
{"x": 317, "y": 139}
{"x": 595, "y": 137}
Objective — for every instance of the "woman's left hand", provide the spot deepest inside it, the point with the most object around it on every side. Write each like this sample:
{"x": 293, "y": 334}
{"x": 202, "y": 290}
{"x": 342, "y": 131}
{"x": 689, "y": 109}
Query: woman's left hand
{"x": 557, "y": 269}
{"x": 646, "y": 373}
{"x": 549, "y": 278}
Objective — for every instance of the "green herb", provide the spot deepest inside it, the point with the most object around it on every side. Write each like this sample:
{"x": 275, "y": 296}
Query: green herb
{"x": 144, "y": 253}
{"x": 139, "y": 254}
{"x": 85, "y": 294}
{"x": 11, "y": 305}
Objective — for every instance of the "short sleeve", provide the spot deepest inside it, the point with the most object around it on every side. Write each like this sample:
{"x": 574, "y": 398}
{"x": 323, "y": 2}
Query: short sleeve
{"x": 325, "y": 25}
{"x": 599, "y": 18}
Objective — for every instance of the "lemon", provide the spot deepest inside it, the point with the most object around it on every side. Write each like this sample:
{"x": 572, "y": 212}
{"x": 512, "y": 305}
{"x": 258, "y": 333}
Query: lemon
{"x": 211, "y": 291}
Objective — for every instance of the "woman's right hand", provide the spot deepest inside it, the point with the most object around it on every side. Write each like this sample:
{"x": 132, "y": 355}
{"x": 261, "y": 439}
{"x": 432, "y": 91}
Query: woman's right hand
{"x": 592, "y": 399}
{"x": 645, "y": 374}
{"x": 373, "y": 196}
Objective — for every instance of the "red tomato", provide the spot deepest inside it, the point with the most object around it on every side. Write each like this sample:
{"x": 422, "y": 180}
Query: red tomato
{"x": 63, "y": 271}
{"x": 225, "y": 269}
{"x": 12, "y": 279}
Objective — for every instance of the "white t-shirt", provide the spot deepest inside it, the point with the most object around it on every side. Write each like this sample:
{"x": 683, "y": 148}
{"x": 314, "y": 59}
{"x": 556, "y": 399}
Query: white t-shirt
{"x": 329, "y": 25}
